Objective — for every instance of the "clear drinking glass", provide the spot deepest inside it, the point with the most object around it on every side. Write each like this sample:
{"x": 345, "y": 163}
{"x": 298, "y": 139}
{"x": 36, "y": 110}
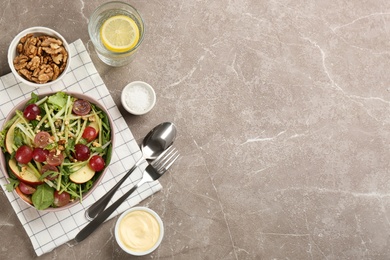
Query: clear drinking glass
{"x": 101, "y": 14}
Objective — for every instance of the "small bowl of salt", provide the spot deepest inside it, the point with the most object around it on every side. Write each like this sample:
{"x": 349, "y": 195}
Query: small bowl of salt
{"x": 138, "y": 98}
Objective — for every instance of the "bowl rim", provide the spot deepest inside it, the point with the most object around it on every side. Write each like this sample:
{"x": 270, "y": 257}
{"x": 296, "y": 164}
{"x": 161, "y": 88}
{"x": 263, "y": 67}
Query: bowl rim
{"x": 36, "y": 30}
{"x": 102, "y": 174}
{"x": 159, "y": 240}
{"x": 143, "y": 84}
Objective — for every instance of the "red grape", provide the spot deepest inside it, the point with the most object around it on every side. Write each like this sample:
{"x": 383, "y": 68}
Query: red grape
{"x": 55, "y": 159}
{"x": 96, "y": 163}
{"x": 26, "y": 189}
{"x": 61, "y": 199}
{"x": 81, "y": 107}
{"x": 89, "y": 133}
{"x": 24, "y": 154}
{"x": 42, "y": 139}
{"x": 31, "y": 112}
{"x": 40, "y": 154}
{"x": 82, "y": 152}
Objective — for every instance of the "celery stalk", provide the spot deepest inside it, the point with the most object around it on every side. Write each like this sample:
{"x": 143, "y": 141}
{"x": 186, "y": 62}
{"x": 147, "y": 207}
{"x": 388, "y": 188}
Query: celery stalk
{"x": 51, "y": 122}
{"x": 80, "y": 133}
{"x": 59, "y": 181}
{"x": 25, "y": 123}
{"x": 40, "y": 123}
{"x": 41, "y": 100}
{"x": 25, "y": 131}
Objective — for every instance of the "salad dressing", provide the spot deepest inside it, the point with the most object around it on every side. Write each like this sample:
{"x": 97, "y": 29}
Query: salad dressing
{"x": 139, "y": 231}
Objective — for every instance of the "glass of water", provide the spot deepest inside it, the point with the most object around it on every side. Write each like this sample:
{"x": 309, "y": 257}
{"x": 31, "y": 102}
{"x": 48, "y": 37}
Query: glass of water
{"x": 111, "y": 11}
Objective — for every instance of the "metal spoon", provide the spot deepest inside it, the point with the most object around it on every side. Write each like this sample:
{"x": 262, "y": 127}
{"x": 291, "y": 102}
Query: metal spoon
{"x": 154, "y": 143}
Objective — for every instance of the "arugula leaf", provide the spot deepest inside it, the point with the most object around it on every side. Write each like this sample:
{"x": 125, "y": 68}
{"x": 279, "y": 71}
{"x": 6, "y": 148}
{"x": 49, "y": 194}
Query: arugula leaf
{"x": 108, "y": 155}
{"x": 2, "y": 139}
{"x": 33, "y": 100}
{"x": 69, "y": 148}
{"x": 83, "y": 141}
{"x": 19, "y": 137}
{"x": 12, "y": 184}
{"x": 88, "y": 185}
{"x": 48, "y": 174}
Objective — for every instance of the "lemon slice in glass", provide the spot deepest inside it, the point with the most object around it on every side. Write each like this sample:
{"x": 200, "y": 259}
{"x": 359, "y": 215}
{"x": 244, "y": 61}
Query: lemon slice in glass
{"x": 119, "y": 33}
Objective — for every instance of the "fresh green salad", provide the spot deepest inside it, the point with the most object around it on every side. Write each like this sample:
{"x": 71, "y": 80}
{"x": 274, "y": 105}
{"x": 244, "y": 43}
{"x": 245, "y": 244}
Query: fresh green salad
{"x": 55, "y": 149}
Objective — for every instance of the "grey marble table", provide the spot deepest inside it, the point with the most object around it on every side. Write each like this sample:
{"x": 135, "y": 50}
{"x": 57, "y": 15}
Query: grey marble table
{"x": 283, "y": 112}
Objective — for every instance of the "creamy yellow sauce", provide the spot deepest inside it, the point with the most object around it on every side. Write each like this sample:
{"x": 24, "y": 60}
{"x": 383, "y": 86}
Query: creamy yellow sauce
{"x": 139, "y": 231}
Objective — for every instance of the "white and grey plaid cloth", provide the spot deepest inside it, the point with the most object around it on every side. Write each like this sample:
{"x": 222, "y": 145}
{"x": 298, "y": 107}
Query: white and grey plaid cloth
{"x": 50, "y": 230}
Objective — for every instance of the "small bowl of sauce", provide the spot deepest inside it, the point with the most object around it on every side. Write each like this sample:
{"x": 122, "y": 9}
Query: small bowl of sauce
{"x": 139, "y": 231}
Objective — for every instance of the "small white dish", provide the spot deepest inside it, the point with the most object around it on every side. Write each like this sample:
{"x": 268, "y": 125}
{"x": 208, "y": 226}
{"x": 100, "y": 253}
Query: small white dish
{"x": 139, "y": 231}
{"x": 36, "y": 31}
{"x": 138, "y": 98}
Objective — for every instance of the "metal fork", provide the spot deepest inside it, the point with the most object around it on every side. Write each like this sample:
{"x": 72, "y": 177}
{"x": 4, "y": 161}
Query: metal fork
{"x": 152, "y": 172}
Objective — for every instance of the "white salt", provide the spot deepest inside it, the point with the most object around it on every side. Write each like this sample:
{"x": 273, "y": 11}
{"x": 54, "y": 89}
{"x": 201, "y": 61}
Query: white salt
{"x": 138, "y": 98}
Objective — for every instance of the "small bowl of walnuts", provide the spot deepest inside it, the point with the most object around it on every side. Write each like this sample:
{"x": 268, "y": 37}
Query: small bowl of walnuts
{"x": 39, "y": 56}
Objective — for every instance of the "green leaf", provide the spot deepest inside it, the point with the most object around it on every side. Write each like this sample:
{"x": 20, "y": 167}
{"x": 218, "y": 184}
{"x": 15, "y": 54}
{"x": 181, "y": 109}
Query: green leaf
{"x": 108, "y": 155}
{"x": 88, "y": 185}
{"x": 2, "y": 139}
{"x": 19, "y": 137}
{"x": 33, "y": 100}
{"x": 43, "y": 197}
{"x": 3, "y": 132}
{"x": 58, "y": 100}
{"x": 83, "y": 141}
{"x": 70, "y": 146}
{"x": 51, "y": 174}
{"x": 12, "y": 184}
{"x": 96, "y": 149}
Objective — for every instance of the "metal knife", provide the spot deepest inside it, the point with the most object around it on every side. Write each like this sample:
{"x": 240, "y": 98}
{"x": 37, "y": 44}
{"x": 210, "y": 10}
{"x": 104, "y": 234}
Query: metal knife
{"x": 95, "y": 223}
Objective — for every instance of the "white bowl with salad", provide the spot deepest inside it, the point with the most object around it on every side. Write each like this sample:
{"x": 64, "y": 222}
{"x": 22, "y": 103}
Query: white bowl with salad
{"x": 56, "y": 149}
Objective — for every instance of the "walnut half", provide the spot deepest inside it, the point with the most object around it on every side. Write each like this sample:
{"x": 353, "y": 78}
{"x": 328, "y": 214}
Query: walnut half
{"x": 40, "y": 59}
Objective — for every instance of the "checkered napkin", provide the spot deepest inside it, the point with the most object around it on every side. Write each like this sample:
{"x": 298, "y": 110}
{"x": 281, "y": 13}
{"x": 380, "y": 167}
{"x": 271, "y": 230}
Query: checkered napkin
{"x": 50, "y": 230}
